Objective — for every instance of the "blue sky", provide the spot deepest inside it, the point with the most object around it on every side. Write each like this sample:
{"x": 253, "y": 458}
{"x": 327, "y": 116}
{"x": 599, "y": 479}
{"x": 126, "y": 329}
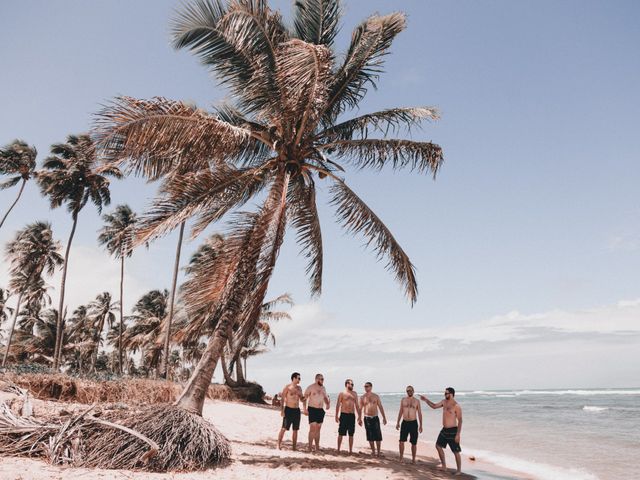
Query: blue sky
{"x": 536, "y": 209}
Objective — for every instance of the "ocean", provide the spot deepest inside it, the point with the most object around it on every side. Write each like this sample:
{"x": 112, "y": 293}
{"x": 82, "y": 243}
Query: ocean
{"x": 545, "y": 434}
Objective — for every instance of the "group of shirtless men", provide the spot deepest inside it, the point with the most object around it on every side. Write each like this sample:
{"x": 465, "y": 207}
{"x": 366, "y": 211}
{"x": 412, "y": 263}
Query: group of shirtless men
{"x": 315, "y": 402}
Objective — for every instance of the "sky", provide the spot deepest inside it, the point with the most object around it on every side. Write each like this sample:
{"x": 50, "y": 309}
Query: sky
{"x": 526, "y": 245}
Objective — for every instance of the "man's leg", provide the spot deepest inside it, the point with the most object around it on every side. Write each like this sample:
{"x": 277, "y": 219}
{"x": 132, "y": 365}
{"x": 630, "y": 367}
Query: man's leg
{"x": 373, "y": 448}
{"x": 317, "y": 436}
{"x": 378, "y": 443}
{"x": 401, "y": 445}
{"x": 339, "y": 441}
{"x": 443, "y": 461}
{"x": 294, "y": 439}
{"x": 350, "y": 443}
{"x": 458, "y": 463}
{"x": 414, "y": 449}
{"x": 312, "y": 427}
{"x": 280, "y": 435}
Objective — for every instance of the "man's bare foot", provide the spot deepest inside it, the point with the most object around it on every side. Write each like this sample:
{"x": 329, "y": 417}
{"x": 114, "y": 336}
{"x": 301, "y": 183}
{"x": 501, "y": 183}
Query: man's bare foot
{"x": 442, "y": 467}
{"x": 458, "y": 472}
{"x": 413, "y": 461}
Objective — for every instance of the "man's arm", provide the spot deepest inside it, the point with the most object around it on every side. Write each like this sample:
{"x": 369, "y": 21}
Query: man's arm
{"x": 327, "y": 401}
{"x": 338, "y": 404}
{"x": 430, "y": 403}
{"x": 399, "y": 416}
{"x": 305, "y": 398}
{"x": 358, "y": 409}
{"x": 419, "y": 417}
{"x": 384, "y": 416}
{"x": 459, "y": 417}
{"x": 283, "y": 401}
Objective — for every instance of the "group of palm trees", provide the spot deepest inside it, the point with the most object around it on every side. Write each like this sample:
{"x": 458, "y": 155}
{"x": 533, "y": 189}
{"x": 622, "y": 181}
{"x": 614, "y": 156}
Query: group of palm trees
{"x": 281, "y": 136}
{"x": 96, "y": 337}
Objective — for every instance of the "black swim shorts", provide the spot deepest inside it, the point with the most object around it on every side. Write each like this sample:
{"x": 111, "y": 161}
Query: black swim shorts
{"x": 448, "y": 437}
{"x": 347, "y": 424}
{"x": 291, "y": 418}
{"x": 409, "y": 428}
{"x": 316, "y": 415}
{"x": 372, "y": 427}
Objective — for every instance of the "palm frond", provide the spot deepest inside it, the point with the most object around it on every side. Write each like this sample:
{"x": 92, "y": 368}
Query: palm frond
{"x": 10, "y": 183}
{"x": 305, "y": 218}
{"x": 317, "y": 21}
{"x": 378, "y": 153}
{"x": 370, "y": 42}
{"x": 386, "y": 121}
{"x": 157, "y": 136}
{"x": 356, "y": 217}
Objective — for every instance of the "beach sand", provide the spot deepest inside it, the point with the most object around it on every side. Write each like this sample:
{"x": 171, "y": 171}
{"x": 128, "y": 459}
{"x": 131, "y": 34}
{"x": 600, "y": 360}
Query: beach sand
{"x": 252, "y": 431}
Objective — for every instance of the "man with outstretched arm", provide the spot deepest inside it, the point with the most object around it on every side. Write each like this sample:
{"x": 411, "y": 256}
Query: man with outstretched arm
{"x": 290, "y": 409}
{"x": 346, "y": 406}
{"x": 369, "y": 405}
{"x": 451, "y": 427}
{"x": 409, "y": 410}
{"x": 315, "y": 397}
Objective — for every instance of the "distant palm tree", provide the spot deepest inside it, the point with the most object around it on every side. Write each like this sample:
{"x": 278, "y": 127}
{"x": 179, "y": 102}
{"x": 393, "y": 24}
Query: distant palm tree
{"x": 147, "y": 324}
{"x": 117, "y": 235}
{"x": 5, "y": 310}
{"x": 17, "y": 159}
{"x": 80, "y": 332}
{"x": 101, "y": 312}
{"x": 37, "y": 344}
{"x": 32, "y": 252}
{"x": 283, "y": 133}
{"x": 72, "y": 176}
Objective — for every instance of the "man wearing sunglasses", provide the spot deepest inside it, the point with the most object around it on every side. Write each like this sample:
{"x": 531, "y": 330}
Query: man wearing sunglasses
{"x": 346, "y": 406}
{"x": 409, "y": 410}
{"x": 290, "y": 409}
{"x": 451, "y": 427}
{"x": 369, "y": 404}
{"x": 315, "y": 396}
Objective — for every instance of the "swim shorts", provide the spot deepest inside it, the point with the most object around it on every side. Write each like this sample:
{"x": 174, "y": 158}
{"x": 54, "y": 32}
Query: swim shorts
{"x": 448, "y": 437}
{"x": 347, "y": 424}
{"x": 372, "y": 427}
{"x": 409, "y": 428}
{"x": 316, "y": 415}
{"x": 291, "y": 418}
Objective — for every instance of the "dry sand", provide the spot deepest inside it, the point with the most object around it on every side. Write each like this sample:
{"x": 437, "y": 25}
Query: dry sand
{"x": 252, "y": 431}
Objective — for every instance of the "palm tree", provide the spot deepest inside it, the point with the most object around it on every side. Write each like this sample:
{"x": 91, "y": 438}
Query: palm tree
{"x": 117, "y": 236}
{"x": 32, "y": 252}
{"x": 19, "y": 160}
{"x": 101, "y": 311}
{"x": 5, "y": 311}
{"x": 81, "y": 333}
{"x": 283, "y": 133}
{"x": 148, "y": 323}
{"x": 72, "y": 176}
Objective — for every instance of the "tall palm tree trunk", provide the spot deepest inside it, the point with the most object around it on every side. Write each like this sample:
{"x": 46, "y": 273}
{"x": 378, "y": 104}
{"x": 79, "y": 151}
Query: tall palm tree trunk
{"x": 245, "y": 367}
{"x": 120, "y": 330}
{"x": 193, "y": 396}
{"x": 228, "y": 379}
{"x": 239, "y": 370}
{"x": 167, "y": 338}
{"x": 57, "y": 353}
{"x": 13, "y": 326}
{"x": 24, "y": 181}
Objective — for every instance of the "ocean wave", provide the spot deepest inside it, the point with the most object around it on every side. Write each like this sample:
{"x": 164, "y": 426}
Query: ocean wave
{"x": 589, "y": 408}
{"x": 539, "y": 471}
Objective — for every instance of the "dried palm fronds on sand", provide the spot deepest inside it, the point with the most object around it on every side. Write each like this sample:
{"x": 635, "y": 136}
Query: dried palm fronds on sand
{"x": 156, "y": 438}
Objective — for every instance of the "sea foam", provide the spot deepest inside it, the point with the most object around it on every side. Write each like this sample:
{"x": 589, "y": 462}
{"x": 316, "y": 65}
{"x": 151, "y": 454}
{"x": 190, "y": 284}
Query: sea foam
{"x": 539, "y": 471}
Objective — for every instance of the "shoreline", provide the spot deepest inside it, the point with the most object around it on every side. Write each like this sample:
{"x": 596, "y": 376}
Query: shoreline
{"x": 253, "y": 430}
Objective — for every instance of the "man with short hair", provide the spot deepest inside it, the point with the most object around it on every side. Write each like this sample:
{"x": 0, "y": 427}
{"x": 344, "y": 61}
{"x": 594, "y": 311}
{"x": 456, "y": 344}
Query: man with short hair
{"x": 409, "y": 410}
{"x": 346, "y": 406}
{"x": 369, "y": 404}
{"x": 315, "y": 397}
{"x": 451, "y": 427}
{"x": 290, "y": 409}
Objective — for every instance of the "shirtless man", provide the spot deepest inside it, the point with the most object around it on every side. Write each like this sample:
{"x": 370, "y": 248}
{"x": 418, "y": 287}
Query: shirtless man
{"x": 290, "y": 409}
{"x": 316, "y": 397}
{"x": 369, "y": 404}
{"x": 409, "y": 409}
{"x": 451, "y": 427}
{"x": 346, "y": 407}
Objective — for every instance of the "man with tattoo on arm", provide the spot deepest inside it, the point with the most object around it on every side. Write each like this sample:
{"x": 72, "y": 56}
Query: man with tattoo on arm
{"x": 315, "y": 396}
{"x": 290, "y": 409}
{"x": 451, "y": 427}
{"x": 409, "y": 410}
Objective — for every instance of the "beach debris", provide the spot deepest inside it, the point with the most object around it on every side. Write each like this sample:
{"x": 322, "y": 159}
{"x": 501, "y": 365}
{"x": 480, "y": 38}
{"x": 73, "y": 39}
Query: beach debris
{"x": 157, "y": 438}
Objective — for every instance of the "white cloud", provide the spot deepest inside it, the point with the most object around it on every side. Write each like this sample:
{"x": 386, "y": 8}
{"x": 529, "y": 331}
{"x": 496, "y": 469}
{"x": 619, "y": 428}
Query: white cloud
{"x": 506, "y": 351}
